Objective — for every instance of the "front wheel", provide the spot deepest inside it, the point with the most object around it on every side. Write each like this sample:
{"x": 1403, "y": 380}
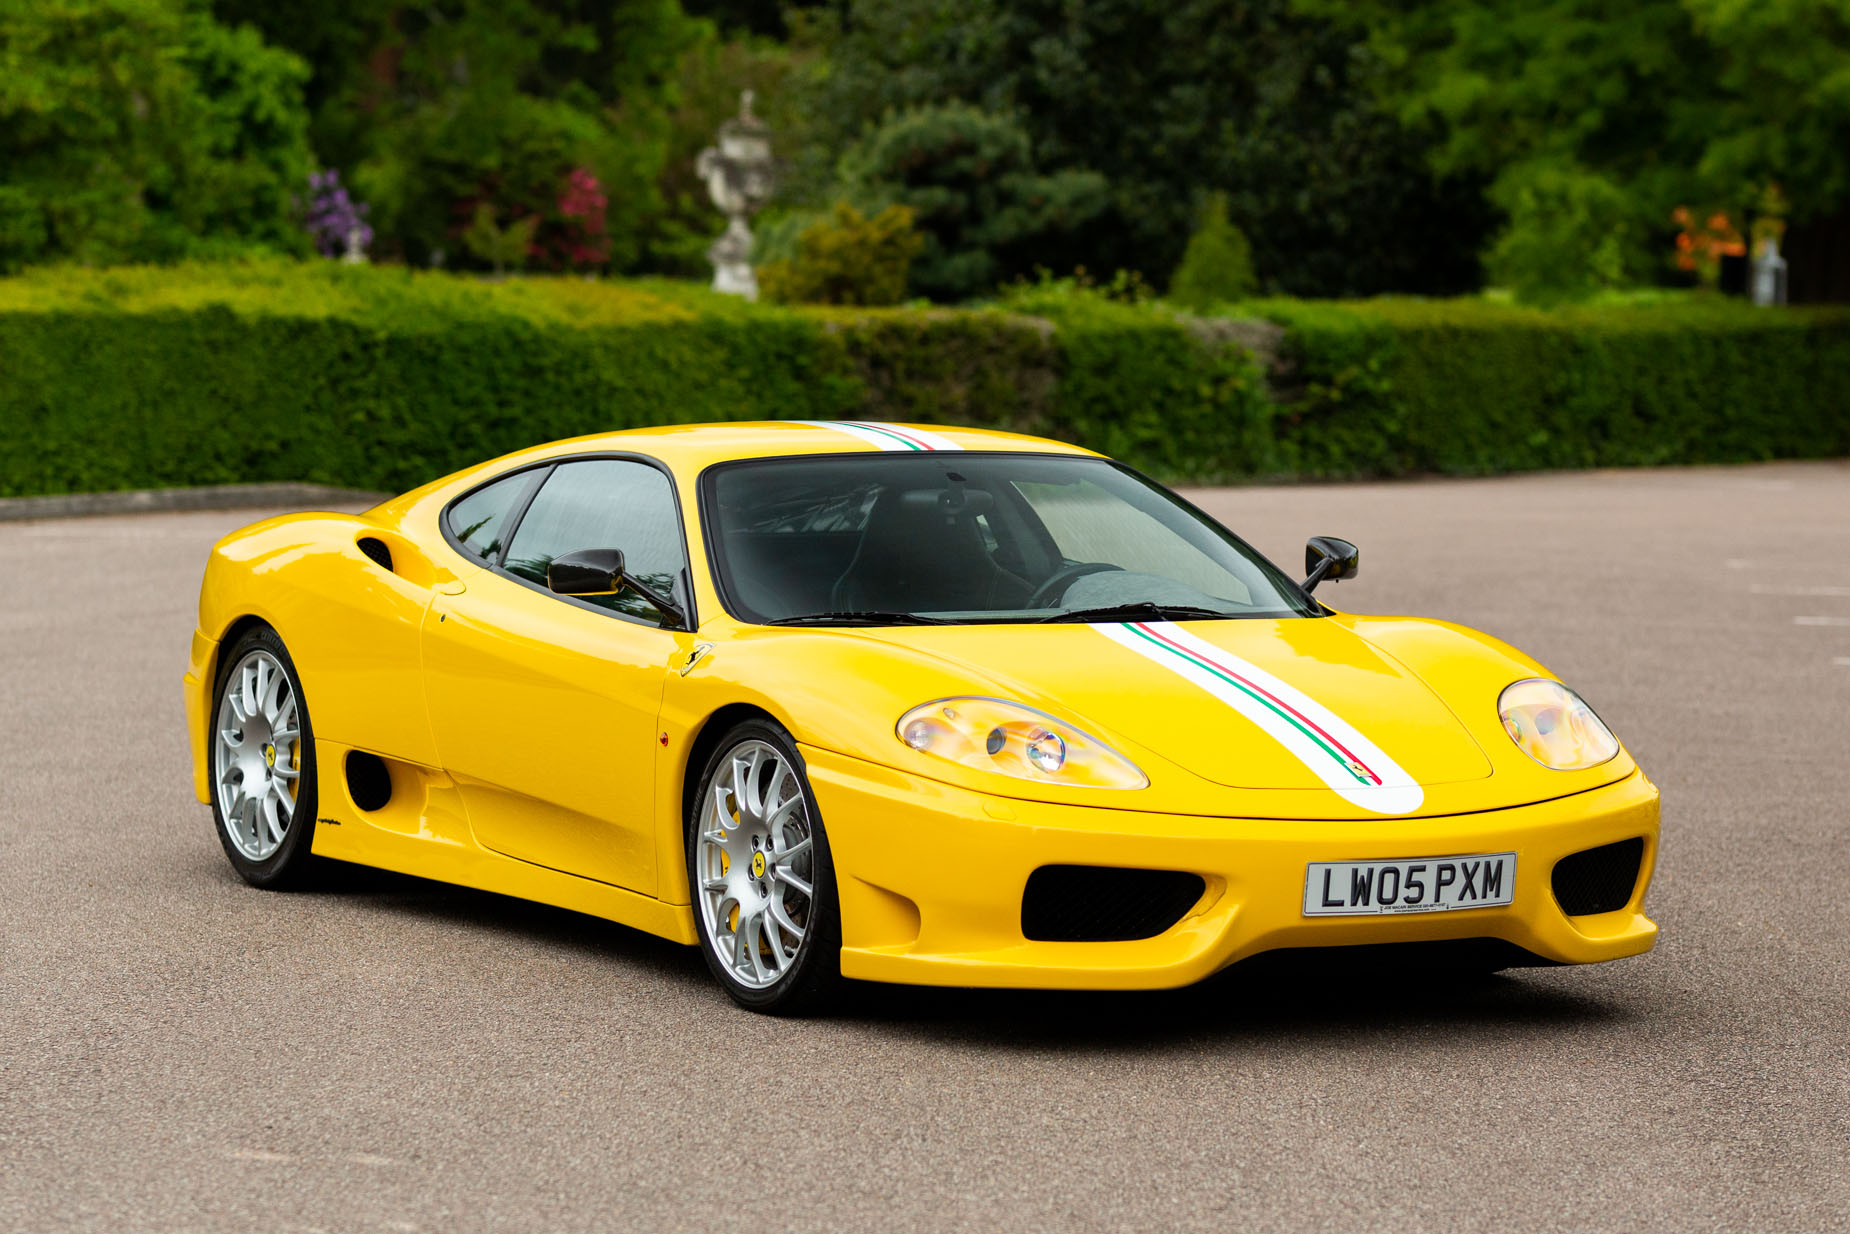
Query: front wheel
{"x": 759, "y": 869}
{"x": 263, "y": 762}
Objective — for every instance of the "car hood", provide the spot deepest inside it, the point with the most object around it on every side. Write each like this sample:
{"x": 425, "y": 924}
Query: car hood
{"x": 1414, "y": 701}
{"x": 1299, "y": 703}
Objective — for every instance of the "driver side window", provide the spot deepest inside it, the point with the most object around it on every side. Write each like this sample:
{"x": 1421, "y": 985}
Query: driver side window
{"x": 604, "y": 503}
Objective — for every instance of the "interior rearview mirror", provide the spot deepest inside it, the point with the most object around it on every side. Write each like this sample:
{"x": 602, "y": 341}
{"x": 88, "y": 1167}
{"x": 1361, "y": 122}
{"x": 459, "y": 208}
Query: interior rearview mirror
{"x": 1326, "y": 557}
{"x": 952, "y": 501}
{"x": 588, "y": 572}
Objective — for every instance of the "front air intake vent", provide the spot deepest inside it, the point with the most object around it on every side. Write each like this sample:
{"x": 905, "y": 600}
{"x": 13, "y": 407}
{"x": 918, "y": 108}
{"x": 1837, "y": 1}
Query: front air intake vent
{"x": 1103, "y": 904}
{"x": 1598, "y": 880}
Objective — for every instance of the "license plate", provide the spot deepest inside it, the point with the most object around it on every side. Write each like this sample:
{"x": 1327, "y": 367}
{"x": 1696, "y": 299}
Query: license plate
{"x": 1421, "y": 885}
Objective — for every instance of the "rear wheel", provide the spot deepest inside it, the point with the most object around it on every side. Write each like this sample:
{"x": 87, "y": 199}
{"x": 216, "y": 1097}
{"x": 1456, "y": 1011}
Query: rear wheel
{"x": 263, "y": 762}
{"x": 759, "y": 869}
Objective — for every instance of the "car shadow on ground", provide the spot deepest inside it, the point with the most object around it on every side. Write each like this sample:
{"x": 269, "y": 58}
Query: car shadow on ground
{"x": 595, "y": 938}
{"x": 1299, "y": 997}
{"x": 1310, "y": 995}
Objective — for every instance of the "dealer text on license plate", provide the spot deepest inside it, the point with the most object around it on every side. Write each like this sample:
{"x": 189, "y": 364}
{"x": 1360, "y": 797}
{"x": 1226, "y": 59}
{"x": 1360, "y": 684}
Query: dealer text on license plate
{"x": 1419, "y": 885}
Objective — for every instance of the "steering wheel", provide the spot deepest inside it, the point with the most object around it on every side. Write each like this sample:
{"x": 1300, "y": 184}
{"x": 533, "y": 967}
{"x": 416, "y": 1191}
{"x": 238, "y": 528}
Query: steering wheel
{"x": 1055, "y": 584}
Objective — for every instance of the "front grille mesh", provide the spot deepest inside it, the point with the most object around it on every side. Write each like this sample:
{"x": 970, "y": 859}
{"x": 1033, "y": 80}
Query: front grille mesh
{"x": 1598, "y": 880}
{"x": 1103, "y": 904}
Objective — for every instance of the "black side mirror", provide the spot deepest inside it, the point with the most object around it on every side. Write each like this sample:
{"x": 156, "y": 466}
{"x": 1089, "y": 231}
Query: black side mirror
{"x": 600, "y": 572}
{"x": 1328, "y": 557}
{"x": 588, "y": 572}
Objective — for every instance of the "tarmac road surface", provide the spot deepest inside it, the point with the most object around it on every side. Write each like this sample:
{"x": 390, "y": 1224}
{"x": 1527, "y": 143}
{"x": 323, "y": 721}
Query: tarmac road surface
{"x": 181, "y": 1052}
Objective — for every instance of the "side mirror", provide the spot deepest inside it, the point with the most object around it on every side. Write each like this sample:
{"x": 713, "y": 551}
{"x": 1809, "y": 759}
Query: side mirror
{"x": 600, "y": 572}
{"x": 588, "y": 572}
{"x": 1326, "y": 557}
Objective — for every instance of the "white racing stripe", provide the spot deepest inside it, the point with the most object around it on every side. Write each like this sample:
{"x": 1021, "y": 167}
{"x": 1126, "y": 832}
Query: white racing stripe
{"x": 1354, "y": 767}
{"x": 887, "y": 436}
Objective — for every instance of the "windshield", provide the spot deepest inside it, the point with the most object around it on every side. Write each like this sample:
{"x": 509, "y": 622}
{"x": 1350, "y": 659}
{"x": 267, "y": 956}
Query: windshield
{"x": 966, "y": 537}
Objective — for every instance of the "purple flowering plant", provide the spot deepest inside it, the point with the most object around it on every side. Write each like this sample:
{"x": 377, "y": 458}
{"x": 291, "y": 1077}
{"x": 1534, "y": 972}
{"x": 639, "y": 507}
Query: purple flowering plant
{"x": 333, "y": 215}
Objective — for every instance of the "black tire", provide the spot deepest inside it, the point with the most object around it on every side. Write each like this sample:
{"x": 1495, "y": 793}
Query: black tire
{"x": 813, "y": 977}
{"x": 291, "y": 864}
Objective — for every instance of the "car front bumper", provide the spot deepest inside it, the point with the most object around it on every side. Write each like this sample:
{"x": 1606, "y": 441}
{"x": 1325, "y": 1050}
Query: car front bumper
{"x": 932, "y": 876}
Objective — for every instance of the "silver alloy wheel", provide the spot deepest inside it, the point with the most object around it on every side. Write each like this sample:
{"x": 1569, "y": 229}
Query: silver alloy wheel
{"x": 753, "y": 864}
{"x": 257, "y": 755}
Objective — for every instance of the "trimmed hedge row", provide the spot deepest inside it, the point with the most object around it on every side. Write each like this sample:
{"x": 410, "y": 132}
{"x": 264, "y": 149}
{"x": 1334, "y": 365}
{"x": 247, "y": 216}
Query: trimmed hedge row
{"x": 383, "y": 378}
{"x": 1395, "y": 387}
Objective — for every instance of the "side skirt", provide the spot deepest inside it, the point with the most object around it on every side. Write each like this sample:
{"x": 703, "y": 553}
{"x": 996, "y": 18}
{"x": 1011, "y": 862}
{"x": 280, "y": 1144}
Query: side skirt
{"x": 422, "y": 830}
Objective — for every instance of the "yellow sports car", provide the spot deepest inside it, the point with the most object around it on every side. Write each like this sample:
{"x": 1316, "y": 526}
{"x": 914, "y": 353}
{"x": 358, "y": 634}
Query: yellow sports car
{"x": 878, "y": 701}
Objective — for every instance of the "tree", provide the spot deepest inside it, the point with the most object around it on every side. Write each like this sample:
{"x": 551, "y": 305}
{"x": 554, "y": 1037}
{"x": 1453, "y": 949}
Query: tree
{"x": 136, "y": 130}
{"x": 1594, "y": 121}
{"x": 968, "y": 178}
{"x": 1165, "y": 99}
{"x": 437, "y": 108}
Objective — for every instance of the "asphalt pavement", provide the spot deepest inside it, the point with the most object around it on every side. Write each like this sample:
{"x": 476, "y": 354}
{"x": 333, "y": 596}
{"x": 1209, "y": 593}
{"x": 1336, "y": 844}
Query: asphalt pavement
{"x": 179, "y": 1051}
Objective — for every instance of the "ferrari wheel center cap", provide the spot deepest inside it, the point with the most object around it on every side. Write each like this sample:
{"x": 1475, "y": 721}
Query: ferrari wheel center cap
{"x": 758, "y": 864}
{"x": 269, "y": 756}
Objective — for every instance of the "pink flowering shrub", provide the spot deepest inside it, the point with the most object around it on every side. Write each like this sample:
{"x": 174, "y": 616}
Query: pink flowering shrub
{"x": 580, "y": 239}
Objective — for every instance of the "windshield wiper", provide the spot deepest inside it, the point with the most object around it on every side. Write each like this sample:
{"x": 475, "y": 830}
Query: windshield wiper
{"x": 860, "y": 617}
{"x": 1140, "y": 609}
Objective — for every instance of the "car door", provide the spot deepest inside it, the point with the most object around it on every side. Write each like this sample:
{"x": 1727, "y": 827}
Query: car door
{"x": 544, "y": 706}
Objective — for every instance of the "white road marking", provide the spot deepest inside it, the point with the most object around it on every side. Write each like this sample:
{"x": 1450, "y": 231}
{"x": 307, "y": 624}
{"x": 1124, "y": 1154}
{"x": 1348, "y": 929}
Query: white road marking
{"x": 1821, "y": 621}
{"x": 1797, "y": 589}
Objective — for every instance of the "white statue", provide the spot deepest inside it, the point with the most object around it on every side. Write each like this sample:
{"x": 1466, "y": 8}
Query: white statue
{"x": 739, "y": 172}
{"x": 1769, "y": 275}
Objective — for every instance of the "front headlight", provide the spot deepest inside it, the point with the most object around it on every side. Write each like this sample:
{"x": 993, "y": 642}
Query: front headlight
{"x": 989, "y": 734}
{"x": 1551, "y": 724}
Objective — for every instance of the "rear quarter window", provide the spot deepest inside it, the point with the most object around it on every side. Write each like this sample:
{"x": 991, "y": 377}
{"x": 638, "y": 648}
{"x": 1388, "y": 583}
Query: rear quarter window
{"x": 478, "y": 522}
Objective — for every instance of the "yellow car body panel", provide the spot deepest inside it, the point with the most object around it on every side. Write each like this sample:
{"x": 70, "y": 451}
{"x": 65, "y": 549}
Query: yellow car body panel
{"x": 542, "y": 750}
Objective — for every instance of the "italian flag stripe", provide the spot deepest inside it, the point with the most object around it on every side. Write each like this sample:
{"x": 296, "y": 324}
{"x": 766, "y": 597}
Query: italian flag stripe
{"x": 907, "y": 440}
{"x": 1285, "y": 711}
{"x": 1333, "y": 750}
{"x": 886, "y": 436}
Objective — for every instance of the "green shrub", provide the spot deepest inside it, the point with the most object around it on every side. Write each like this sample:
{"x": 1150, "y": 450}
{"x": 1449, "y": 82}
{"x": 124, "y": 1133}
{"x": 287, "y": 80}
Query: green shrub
{"x": 846, "y": 259}
{"x": 1571, "y": 234}
{"x": 1217, "y": 266}
{"x": 500, "y": 247}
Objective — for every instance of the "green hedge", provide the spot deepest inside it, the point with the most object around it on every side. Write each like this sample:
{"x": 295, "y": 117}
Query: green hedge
{"x": 1393, "y": 387}
{"x": 383, "y": 378}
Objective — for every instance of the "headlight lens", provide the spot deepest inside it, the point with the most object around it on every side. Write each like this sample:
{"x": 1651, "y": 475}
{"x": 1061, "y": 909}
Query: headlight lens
{"x": 989, "y": 734}
{"x": 1551, "y": 724}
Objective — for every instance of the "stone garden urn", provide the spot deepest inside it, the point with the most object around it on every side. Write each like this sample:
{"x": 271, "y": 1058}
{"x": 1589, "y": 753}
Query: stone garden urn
{"x": 740, "y": 176}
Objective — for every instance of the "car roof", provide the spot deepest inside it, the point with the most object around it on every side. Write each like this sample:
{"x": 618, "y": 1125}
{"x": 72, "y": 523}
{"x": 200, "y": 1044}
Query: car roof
{"x": 688, "y": 448}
